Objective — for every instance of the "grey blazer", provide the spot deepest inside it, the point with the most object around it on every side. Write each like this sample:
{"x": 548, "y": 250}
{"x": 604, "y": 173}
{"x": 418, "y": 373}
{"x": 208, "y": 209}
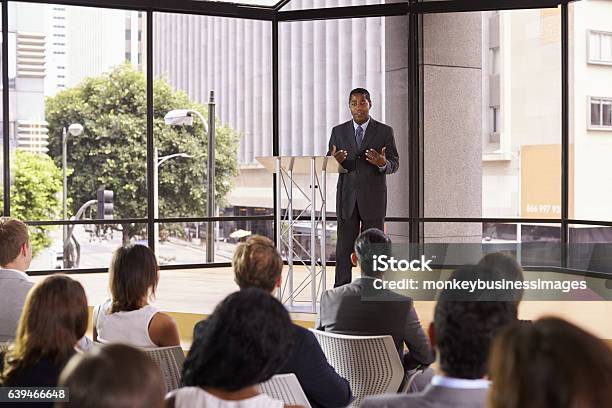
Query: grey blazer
{"x": 14, "y": 288}
{"x": 364, "y": 183}
{"x": 432, "y": 397}
{"x": 344, "y": 311}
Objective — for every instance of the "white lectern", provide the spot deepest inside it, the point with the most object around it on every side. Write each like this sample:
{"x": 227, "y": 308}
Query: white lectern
{"x": 285, "y": 168}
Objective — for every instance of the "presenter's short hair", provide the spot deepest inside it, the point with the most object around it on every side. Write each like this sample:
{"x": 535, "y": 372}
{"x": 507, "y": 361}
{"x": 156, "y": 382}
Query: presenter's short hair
{"x": 361, "y": 91}
{"x": 13, "y": 234}
{"x": 257, "y": 264}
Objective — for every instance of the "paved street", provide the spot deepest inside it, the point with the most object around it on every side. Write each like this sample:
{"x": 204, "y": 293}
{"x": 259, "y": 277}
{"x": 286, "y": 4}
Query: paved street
{"x": 97, "y": 252}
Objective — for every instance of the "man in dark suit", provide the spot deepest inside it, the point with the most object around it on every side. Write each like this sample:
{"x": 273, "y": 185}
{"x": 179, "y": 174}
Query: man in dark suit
{"x": 463, "y": 329}
{"x": 359, "y": 309}
{"x": 366, "y": 149}
{"x": 258, "y": 264}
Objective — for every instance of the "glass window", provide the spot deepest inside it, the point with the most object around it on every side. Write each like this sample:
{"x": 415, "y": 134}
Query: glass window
{"x": 82, "y": 92}
{"x": 516, "y": 172}
{"x": 590, "y": 247}
{"x": 606, "y": 113}
{"x": 320, "y": 62}
{"x": 595, "y": 112}
{"x": 606, "y": 47}
{"x": 600, "y": 46}
{"x": 464, "y": 243}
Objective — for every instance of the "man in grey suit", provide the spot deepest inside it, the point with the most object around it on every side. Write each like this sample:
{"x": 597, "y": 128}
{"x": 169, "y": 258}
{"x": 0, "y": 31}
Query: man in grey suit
{"x": 366, "y": 149}
{"x": 358, "y": 308}
{"x": 462, "y": 332}
{"x": 15, "y": 258}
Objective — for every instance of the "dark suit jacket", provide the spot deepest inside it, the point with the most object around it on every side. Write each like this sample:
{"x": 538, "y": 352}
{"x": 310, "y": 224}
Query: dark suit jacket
{"x": 364, "y": 183}
{"x": 321, "y": 384}
{"x": 385, "y": 313}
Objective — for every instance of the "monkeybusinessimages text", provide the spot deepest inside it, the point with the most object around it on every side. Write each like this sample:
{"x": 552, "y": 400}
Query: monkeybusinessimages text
{"x": 385, "y": 263}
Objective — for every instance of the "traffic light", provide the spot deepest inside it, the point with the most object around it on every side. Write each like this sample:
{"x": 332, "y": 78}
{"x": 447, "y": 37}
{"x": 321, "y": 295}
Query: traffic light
{"x": 105, "y": 204}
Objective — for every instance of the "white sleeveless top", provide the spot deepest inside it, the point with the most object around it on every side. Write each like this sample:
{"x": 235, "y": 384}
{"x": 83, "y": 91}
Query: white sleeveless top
{"x": 196, "y": 397}
{"x": 124, "y": 327}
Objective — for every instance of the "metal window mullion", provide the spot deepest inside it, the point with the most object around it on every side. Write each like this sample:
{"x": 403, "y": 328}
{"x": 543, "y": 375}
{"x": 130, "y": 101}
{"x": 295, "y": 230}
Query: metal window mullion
{"x": 564, "y": 133}
{"x": 275, "y": 121}
{"x": 150, "y": 140}
{"x": 6, "y": 169}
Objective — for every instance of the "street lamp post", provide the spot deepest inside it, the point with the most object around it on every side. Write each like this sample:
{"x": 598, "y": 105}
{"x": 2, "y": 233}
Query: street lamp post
{"x": 158, "y": 162}
{"x": 74, "y": 129}
{"x": 185, "y": 117}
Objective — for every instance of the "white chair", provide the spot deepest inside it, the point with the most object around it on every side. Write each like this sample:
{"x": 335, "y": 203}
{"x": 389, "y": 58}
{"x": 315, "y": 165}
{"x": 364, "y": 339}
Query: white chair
{"x": 369, "y": 363}
{"x": 170, "y": 360}
{"x": 286, "y": 388}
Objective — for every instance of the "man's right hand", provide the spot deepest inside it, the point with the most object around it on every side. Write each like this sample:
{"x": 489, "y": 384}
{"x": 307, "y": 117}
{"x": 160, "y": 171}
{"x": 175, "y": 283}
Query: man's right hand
{"x": 340, "y": 155}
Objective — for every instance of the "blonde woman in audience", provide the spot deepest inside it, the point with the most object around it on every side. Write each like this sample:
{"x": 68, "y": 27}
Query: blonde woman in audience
{"x": 128, "y": 317}
{"x": 243, "y": 343}
{"x": 549, "y": 364}
{"x": 113, "y": 376}
{"x": 54, "y": 318}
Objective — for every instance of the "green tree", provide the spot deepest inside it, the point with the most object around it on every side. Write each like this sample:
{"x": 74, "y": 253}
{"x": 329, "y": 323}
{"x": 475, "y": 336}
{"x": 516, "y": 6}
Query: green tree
{"x": 35, "y": 193}
{"x": 111, "y": 152}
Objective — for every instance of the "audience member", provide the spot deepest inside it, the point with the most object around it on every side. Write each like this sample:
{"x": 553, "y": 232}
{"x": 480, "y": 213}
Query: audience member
{"x": 257, "y": 263}
{"x": 344, "y": 311}
{"x": 54, "y": 318}
{"x": 128, "y": 317}
{"x": 504, "y": 266}
{"x": 461, "y": 333}
{"x": 549, "y": 364}
{"x": 15, "y": 258}
{"x": 244, "y": 342}
{"x": 113, "y": 376}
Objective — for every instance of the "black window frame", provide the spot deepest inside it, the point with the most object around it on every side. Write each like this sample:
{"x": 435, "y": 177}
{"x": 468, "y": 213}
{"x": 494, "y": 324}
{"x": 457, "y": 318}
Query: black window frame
{"x": 413, "y": 10}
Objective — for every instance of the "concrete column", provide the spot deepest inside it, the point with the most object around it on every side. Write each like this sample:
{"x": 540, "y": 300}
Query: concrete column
{"x": 396, "y": 115}
{"x": 453, "y": 124}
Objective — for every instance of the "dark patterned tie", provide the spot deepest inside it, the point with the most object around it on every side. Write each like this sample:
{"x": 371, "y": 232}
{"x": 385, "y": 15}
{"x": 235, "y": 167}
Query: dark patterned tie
{"x": 359, "y": 136}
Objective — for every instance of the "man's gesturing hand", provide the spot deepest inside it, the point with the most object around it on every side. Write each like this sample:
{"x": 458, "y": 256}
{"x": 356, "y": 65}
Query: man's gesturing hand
{"x": 377, "y": 159}
{"x": 340, "y": 155}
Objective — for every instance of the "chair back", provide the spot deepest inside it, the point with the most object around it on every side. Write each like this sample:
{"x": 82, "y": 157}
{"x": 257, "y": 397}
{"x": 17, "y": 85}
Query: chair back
{"x": 286, "y": 388}
{"x": 369, "y": 363}
{"x": 170, "y": 360}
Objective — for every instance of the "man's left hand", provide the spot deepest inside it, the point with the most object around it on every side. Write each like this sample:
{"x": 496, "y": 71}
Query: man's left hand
{"x": 377, "y": 159}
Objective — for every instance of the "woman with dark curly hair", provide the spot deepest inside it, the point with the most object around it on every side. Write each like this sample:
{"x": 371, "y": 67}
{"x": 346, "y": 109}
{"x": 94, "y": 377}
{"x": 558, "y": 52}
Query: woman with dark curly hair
{"x": 549, "y": 364}
{"x": 54, "y": 318}
{"x": 242, "y": 344}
